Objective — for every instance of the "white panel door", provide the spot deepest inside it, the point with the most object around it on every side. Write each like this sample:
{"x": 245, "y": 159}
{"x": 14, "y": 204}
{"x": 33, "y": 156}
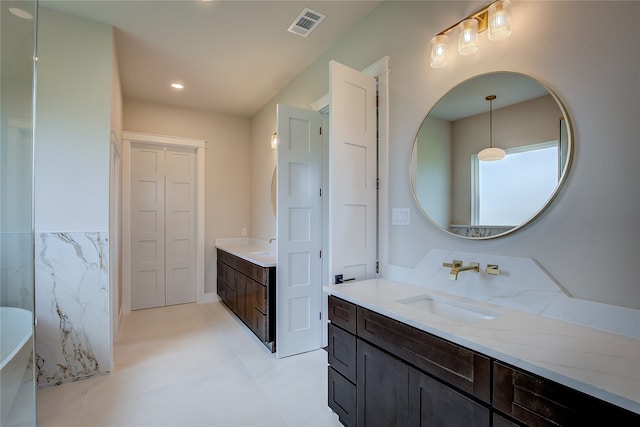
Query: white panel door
{"x": 180, "y": 229}
{"x": 299, "y": 231}
{"x": 352, "y": 174}
{"x": 163, "y": 229}
{"x": 147, "y": 226}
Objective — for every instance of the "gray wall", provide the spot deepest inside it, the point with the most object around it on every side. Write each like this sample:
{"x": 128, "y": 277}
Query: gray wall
{"x": 587, "y": 53}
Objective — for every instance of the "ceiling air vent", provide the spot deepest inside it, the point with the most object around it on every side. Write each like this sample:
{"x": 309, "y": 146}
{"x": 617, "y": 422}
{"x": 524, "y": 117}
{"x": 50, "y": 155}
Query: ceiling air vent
{"x": 306, "y": 22}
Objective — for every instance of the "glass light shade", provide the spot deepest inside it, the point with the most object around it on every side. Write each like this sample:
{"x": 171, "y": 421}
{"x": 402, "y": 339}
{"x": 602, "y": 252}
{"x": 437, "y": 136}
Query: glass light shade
{"x": 491, "y": 154}
{"x": 468, "y": 37}
{"x": 439, "y": 54}
{"x": 274, "y": 141}
{"x": 499, "y": 20}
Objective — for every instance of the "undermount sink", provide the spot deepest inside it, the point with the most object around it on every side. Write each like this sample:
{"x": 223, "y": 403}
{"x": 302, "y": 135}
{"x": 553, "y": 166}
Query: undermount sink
{"x": 449, "y": 309}
{"x": 263, "y": 253}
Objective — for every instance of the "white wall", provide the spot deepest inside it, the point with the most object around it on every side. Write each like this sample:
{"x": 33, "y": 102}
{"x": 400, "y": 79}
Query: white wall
{"x": 73, "y": 124}
{"x": 587, "y": 53}
{"x": 227, "y": 164}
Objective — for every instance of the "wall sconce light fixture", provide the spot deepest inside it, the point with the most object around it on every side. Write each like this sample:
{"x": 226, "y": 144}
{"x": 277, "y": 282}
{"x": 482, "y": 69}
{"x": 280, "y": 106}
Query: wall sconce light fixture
{"x": 495, "y": 18}
{"x": 274, "y": 141}
{"x": 492, "y": 153}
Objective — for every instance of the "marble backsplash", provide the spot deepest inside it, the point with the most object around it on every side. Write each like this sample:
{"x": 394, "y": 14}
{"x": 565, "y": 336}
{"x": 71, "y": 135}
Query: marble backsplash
{"x": 522, "y": 285}
{"x": 72, "y": 306}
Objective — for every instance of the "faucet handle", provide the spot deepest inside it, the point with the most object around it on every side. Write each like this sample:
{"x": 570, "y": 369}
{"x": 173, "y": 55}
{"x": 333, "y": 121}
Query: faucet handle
{"x": 493, "y": 269}
{"x": 455, "y": 264}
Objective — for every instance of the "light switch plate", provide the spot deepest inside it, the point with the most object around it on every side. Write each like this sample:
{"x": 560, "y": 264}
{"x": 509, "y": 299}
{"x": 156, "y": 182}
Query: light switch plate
{"x": 401, "y": 216}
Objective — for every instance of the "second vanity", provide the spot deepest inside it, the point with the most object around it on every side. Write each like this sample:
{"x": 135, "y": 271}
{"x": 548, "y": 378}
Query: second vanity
{"x": 406, "y": 355}
{"x": 246, "y": 283}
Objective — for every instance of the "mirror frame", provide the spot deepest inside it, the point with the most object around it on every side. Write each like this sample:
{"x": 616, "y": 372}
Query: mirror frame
{"x": 558, "y": 187}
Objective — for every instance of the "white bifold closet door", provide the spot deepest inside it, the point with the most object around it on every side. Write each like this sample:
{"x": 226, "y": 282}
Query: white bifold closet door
{"x": 163, "y": 225}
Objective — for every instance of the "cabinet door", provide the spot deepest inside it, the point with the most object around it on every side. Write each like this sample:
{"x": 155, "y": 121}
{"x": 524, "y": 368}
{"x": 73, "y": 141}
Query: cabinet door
{"x": 431, "y": 403}
{"x": 382, "y": 388}
{"x": 241, "y": 296}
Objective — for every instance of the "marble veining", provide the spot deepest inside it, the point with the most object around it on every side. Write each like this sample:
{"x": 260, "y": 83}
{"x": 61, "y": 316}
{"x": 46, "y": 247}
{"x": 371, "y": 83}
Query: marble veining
{"x": 72, "y": 306}
{"x": 603, "y": 364}
{"x": 522, "y": 285}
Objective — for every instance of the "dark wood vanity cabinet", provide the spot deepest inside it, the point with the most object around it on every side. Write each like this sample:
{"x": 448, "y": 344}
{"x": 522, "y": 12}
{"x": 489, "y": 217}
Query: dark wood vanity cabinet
{"x": 391, "y": 386}
{"x": 249, "y": 291}
{"x": 386, "y": 373}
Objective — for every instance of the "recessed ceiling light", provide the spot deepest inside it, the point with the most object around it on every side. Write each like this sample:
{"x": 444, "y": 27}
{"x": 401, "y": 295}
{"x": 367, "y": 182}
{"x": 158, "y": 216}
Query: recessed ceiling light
{"x": 20, "y": 13}
{"x": 177, "y": 85}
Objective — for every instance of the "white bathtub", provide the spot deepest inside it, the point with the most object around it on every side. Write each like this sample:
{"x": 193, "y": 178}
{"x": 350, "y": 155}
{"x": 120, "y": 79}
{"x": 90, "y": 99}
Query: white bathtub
{"x": 16, "y": 347}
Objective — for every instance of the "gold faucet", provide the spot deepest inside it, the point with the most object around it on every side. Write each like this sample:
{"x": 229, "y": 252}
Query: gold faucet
{"x": 456, "y": 267}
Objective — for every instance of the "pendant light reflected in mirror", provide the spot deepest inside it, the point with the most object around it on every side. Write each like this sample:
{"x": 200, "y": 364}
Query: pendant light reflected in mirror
{"x": 492, "y": 153}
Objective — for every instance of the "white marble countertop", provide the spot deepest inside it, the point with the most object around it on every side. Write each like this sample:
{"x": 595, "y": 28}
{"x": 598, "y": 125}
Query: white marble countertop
{"x": 256, "y": 251}
{"x": 599, "y": 363}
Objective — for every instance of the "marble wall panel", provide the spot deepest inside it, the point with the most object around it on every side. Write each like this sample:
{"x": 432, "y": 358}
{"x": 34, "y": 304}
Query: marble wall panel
{"x": 72, "y": 306}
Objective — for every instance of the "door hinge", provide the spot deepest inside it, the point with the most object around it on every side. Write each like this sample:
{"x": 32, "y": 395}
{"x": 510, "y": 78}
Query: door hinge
{"x": 320, "y": 315}
{"x": 377, "y": 184}
{"x": 377, "y": 267}
{"x": 320, "y": 253}
{"x": 321, "y": 192}
{"x": 320, "y": 130}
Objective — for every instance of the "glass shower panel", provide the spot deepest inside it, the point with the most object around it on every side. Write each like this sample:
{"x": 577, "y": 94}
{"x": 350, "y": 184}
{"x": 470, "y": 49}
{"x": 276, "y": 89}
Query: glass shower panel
{"x": 18, "y": 22}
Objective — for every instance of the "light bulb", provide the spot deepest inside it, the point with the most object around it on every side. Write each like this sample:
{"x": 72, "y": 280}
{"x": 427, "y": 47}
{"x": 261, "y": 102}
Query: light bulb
{"x": 500, "y": 20}
{"x": 468, "y": 37}
{"x": 439, "y": 54}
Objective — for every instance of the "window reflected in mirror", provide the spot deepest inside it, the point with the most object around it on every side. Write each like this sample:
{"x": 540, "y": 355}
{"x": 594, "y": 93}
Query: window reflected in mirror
{"x": 478, "y": 199}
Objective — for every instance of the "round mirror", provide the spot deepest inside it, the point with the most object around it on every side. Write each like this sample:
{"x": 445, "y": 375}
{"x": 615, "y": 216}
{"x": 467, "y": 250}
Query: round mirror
{"x": 517, "y": 117}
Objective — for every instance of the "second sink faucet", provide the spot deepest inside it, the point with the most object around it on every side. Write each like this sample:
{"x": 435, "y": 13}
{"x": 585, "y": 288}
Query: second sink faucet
{"x": 456, "y": 267}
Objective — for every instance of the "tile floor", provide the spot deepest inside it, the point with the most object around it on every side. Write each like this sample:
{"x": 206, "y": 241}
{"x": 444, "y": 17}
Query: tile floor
{"x": 193, "y": 365}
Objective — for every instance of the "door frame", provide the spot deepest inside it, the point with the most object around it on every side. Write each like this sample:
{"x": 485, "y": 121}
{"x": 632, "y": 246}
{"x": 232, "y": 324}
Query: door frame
{"x": 162, "y": 141}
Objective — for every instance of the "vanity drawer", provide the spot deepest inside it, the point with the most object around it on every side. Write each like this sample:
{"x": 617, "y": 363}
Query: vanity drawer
{"x": 244, "y": 267}
{"x": 538, "y": 401}
{"x": 226, "y": 273}
{"x": 342, "y": 398}
{"x": 256, "y": 272}
{"x": 342, "y": 313}
{"x": 226, "y": 257}
{"x": 342, "y": 352}
{"x": 259, "y": 274}
{"x": 458, "y": 366}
